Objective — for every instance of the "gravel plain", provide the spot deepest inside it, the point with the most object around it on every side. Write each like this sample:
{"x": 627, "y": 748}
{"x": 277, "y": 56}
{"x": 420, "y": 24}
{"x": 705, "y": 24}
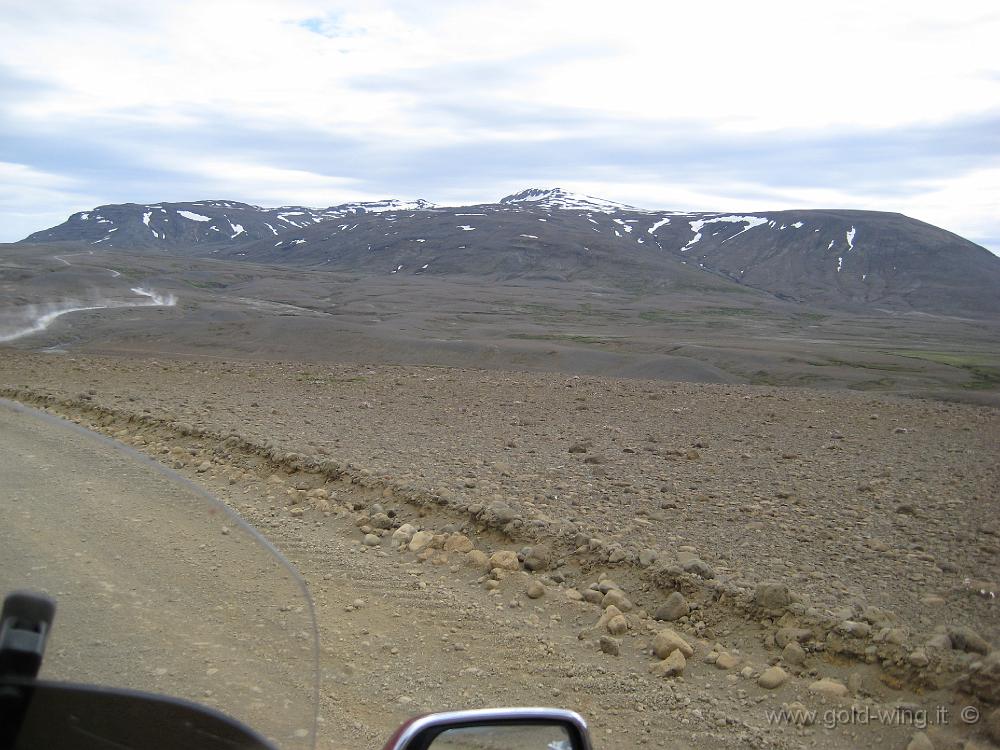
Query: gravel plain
{"x": 754, "y": 523}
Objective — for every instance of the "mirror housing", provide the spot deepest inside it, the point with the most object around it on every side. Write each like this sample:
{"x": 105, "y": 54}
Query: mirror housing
{"x": 421, "y": 732}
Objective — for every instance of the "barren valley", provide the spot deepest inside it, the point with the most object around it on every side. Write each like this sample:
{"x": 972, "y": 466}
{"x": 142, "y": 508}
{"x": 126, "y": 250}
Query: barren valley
{"x": 681, "y": 508}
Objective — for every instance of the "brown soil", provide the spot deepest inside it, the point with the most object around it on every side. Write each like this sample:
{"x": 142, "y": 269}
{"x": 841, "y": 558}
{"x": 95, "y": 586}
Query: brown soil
{"x": 873, "y": 511}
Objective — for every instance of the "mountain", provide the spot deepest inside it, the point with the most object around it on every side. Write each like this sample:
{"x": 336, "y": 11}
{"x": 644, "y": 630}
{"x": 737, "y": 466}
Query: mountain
{"x": 168, "y": 225}
{"x": 836, "y": 258}
{"x": 559, "y": 198}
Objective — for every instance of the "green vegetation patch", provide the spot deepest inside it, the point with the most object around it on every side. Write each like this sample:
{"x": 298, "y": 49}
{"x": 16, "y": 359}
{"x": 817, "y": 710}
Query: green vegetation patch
{"x": 686, "y": 316}
{"x": 882, "y": 384}
{"x": 883, "y": 366}
{"x": 984, "y": 370}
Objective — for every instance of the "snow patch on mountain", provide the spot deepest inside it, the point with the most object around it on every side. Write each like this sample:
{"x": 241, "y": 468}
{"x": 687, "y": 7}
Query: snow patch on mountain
{"x": 657, "y": 225}
{"x": 193, "y": 216}
{"x": 557, "y": 198}
{"x": 698, "y": 224}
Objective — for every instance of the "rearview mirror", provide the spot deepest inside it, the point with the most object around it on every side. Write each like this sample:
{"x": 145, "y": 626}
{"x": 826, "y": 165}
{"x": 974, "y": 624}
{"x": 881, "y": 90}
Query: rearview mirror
{"x": 494, "y": 729}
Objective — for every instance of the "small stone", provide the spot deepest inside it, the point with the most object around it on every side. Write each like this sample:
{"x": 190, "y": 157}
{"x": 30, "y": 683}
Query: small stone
{"x": 793, "y": 654}
{"x": 667, "y": 641}
{"x": 674, "y": 608}
{"x": 505, "y": 560}
{"x": 854, "y": 629}
{"x": 593, "y": 596}
{"x": 420, "y": 540}
{"x": 610, "y": 645}
{"x": 784, "y": 636}
{"x": 573, "y": 595}
{"x": 673, "y": 665}
{"x": 726, "y": 661}
{"x": 458, "y": 543}
{"x": 896, "y": 636}
{"x": 940, "y": 641}
{"x": 920, "y": 741}
{"x": 607, "y": 614}
{"x": 477, "y": 559}
{"x": 371, "y": 540}
{"x": 966, "y": 639}
{"x": 617, "y": 598}
{"x": 403, "y": 534}
{"x": 772, "y": 596}
{"x": 617, "y": 625}
{"x": 983, "y": 679}
{"x": 204, "y": 466}
{"x": 918, "y": 658}
{"x": 772, "y": 678}
{"x": 828, "y": 687}
{"x": 502, "y": 512}
{"x": 535, "y": 590}
{"x": 539, "y": 558}
{"x": 698, "y": 567}
{"x": 381, "y": 521}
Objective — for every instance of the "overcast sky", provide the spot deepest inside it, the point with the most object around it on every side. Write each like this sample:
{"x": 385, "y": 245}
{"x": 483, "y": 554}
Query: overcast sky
{"x": 732, "y": 106}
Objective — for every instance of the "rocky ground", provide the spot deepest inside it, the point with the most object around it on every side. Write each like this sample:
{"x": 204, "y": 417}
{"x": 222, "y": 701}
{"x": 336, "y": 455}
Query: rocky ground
{"x": 673, "y": 560}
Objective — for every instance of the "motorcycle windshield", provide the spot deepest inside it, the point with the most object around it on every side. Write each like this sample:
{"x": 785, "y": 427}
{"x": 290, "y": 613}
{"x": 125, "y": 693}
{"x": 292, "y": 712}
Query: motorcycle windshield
{"x": 160, "y": 587}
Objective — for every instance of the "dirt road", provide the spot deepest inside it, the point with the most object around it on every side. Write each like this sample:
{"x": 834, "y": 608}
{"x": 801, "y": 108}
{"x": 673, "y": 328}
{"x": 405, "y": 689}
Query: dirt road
{"x": 157, "y": 588}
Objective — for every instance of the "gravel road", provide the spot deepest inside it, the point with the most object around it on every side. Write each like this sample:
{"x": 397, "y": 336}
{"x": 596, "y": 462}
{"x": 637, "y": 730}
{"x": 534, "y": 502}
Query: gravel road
{"x": 157, "y": 589}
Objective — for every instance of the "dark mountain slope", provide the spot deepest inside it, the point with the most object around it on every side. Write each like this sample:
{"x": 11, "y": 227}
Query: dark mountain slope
{"x": 166, "y": 226}
{"x": 836, "y": 258}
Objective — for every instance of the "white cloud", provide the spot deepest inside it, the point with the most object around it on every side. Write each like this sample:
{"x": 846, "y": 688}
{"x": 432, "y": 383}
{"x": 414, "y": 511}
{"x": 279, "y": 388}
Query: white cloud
{"x": 965, "y": 204}
{"x": 730, "y": 65}
{"x": 269, "y": 185}
{"x": 31, "y": 199}
{"x": 401, "y": 77}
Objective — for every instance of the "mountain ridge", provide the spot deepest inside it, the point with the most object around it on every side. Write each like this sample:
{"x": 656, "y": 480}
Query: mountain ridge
{"x": 833, "y": 257}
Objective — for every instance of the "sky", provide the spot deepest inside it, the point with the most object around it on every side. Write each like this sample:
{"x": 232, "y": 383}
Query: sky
{"x": 714, "y": 105}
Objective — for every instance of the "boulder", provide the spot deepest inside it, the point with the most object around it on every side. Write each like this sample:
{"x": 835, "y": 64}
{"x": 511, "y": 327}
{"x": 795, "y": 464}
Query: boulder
{"x": 667, "y": 641}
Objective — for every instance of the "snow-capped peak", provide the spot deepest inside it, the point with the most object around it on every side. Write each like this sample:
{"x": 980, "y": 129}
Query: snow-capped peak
{"x": 382, "y": 206}
{"x": 559, "y": 198}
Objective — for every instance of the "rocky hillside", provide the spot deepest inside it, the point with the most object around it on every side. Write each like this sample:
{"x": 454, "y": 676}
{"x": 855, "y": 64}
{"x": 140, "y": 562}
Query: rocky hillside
{"x": 169, "y": 226}
{"x": 835, "y": 258}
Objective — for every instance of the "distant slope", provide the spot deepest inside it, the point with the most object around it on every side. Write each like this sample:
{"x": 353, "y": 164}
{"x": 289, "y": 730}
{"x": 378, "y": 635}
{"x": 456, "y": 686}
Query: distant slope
{"x": 846, "y": 259}
{"x": 164, "y": 226}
